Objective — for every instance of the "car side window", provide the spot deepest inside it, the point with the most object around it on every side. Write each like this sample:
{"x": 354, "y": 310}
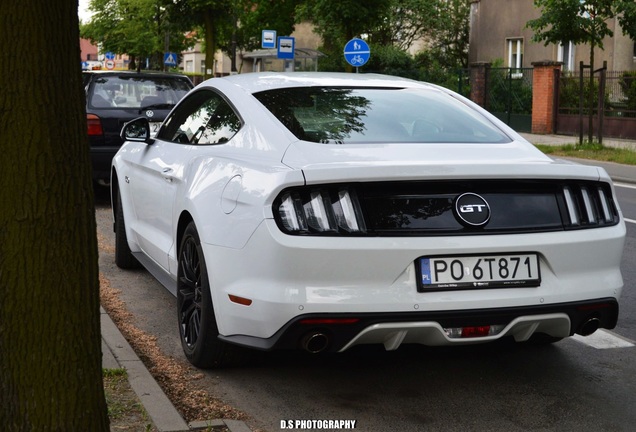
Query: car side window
{"x": 203, "y": 118}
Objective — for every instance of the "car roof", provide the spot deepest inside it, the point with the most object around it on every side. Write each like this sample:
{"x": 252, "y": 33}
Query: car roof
{"x": 134, "y": 73}
{"x": 261, "y": 81}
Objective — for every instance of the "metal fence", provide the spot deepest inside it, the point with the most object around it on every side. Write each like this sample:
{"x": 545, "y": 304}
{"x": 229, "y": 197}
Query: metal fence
{"x": 509, "y": 96}
{"x": 609, "y": 112}
{"x": 619, "y": 94}
{"x": 510, "y": 90}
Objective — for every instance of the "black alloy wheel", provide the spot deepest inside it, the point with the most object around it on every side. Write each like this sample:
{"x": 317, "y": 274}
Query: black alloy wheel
{"x": 197, "y": 322}
{"x": 190, "y": 293}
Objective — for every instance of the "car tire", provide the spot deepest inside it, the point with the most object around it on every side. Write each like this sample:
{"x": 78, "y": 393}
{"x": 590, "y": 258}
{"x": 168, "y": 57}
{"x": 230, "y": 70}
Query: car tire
{"x": 198, "y": 329}
{"x": 123, "y": 256}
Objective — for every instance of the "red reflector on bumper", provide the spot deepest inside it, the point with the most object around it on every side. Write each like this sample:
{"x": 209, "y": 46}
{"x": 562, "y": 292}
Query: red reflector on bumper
{"x": 478, "y": 331}
{"x": 594, "y": 307}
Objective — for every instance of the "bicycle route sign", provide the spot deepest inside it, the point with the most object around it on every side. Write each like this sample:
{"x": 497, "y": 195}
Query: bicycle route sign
{"x": 357, "y": 52}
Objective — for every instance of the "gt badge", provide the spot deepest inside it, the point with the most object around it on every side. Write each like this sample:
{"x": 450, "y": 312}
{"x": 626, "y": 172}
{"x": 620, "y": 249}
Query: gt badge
{"x": 471, "y": 210}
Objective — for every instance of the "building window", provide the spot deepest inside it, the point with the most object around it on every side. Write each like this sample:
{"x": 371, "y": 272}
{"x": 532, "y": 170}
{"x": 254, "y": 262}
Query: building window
{"x": 566, "y": 55}
{"x": 515, "y": 53}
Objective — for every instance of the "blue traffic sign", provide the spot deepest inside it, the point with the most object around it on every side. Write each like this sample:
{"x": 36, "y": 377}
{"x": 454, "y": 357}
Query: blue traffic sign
{"x": 357, "y": 52}
{"x": 170, "y": 59}
{"x": 109, "y": 56}
{"x": 268, "y": 39}
{"x": 286, "y": 45}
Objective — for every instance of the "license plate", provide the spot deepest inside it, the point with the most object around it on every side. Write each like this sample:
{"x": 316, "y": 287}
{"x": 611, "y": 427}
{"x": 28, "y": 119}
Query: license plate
{"x": 477, "y": 272}
{"x": 154, "y": 128}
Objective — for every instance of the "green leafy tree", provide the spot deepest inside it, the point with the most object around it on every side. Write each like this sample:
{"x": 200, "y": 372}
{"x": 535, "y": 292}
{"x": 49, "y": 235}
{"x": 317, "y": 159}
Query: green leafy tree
{"x": 50, "y": 344}
{"x": 431, "y": 70}
{"x": 250, "y": 18}
{"x": 139, "y": 28}
{"x": 256, "y": 16}
{"x": 582, "y": 22}
{"x": 217, "y": 20}
{"x": 338, "y": 21}
{"x": 449, "y": 34}
{"x": 442, "y": 24}
{"x": 391, "y": 60}
{"x": 122, "y": 26}
{"x": 406, "y": 22}
{"x": 342, "y": 20}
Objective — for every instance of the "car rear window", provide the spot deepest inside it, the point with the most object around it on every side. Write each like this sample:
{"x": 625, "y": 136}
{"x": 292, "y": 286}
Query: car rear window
{"x": 378, "y": 115}
{"x": 137, "y": 92}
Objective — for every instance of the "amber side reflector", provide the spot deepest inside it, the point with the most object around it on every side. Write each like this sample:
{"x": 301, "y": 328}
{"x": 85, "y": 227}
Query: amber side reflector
{"x": 240, "y": 300}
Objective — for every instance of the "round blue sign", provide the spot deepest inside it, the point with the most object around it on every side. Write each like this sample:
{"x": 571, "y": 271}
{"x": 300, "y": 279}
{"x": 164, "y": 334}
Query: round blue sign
{"x": 357, "y": 52}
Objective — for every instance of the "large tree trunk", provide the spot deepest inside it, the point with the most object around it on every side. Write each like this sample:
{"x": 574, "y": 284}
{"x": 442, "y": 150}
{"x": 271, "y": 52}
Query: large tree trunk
{"x": 210, "y": 41}
{"x": 50, "y": 349}
{"x": 590, "y": 97}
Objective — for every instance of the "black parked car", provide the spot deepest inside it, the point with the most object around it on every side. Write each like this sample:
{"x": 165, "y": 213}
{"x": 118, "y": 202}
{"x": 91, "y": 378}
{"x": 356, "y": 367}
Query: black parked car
{"x": 116, "y": 97}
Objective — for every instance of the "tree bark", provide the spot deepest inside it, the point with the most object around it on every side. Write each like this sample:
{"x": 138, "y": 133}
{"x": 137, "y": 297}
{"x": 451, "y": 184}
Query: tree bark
{"x": 590, "y": 97}
{"x": 210, "y": 41}
{"x": 50, "y": 345}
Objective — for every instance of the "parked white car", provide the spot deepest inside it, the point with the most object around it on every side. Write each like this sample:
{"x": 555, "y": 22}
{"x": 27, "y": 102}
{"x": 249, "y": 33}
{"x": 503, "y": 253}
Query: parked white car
{"x": 322, "y": 211}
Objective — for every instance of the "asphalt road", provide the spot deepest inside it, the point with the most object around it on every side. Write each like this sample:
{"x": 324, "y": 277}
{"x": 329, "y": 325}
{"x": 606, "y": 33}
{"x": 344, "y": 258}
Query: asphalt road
{"x": 569, "y": 386}
{"x": 627, "y": 319}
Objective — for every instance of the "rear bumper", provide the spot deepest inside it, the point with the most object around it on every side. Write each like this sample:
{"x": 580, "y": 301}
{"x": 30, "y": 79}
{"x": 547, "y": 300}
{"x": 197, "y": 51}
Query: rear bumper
{"x": 343, "y": 331}
{"x": 286, "y": 277}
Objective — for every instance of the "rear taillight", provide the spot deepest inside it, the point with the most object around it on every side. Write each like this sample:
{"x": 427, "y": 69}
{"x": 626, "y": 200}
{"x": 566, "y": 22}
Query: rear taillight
{"x": 589, "y": 205}
{"x": 325, "y": 210}
{"x": 94, "y": 125}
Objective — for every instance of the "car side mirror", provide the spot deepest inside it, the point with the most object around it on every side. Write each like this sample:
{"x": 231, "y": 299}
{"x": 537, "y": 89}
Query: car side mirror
{"x": 137, "y": 130}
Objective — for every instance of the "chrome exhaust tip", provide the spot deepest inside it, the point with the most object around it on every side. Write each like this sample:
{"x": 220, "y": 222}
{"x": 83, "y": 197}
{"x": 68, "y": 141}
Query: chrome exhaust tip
{"x": 315, "y": 342}
{"x": 589, "y": 327}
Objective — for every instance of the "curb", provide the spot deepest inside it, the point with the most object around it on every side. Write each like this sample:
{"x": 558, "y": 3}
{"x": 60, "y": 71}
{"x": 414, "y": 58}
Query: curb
{"x": 117, "y": 353}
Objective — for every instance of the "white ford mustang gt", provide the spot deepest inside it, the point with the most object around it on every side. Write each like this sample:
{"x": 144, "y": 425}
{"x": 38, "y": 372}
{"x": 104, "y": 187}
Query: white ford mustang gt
{"x": 322, "y": 211}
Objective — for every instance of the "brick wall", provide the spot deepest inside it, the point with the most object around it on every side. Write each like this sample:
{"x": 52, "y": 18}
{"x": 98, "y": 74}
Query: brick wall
{"x": 544, "y": 79}
{"x": 543, "y": 100}
{"x": 479, "y": 83}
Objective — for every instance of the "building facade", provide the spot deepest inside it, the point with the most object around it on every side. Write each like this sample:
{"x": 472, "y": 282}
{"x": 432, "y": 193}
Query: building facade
{"x": 498, "y": 32}
{"x": 259, "y": 60}
{"x": 88, "y": 51}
